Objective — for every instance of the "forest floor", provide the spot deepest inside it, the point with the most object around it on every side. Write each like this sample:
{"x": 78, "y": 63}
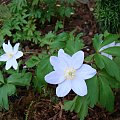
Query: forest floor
{"x": 30, "y": 105}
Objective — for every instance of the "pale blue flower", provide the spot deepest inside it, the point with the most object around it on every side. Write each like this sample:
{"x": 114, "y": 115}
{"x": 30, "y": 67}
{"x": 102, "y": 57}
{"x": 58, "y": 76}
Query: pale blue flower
{"x": 69, "y": 73}
{"x": 11, "y": 54}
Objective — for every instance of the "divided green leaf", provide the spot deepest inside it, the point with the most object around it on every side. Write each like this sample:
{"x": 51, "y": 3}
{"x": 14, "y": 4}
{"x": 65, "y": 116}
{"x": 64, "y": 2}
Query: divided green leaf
{"x": 20, "y": 79}
{"x": 5, "y": 91}
{"x": 106, "y": 95}
{"x": 33, "y": 61}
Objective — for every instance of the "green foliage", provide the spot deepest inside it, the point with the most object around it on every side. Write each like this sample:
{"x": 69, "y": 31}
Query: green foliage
{"x": 74, "y": 44}
{"x": 27, "y": 18}
{"x": 4, "y": 13}
{"x": 107, "y": 12}
{"x": 79, "y": 105}
{"x": 33, "y": 61}
{"x": 43, "y": 68}
{"x": 8, "y": 86}
{"x": 5, "y": 91}
{"x": 58, "y": 25}
{"x": 106, "y": 98}
{"x": 20, "y": 79}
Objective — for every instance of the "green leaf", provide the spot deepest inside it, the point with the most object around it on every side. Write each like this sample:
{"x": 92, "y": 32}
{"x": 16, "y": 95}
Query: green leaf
{"x": 84, "y": 110}
{"x": 109, "y": 39}
{"x": 115, "y": 51}
{"x": 70, "y": 105}
{"x": 68, "y": 11}
{"x": 97, "y": 41}
{"x": 5, "y": 91}
{"x": 112, "y": 81}
{"x": 33, "y": 61}
{"x": 6, "y": 31}
{"x": 20, "y": 79}
{"x": 73, "y": 44}
{"x": 43, "y": 68}
{"x": 57, "y": 45}
{"x": 79, "y": 105}
{"x": 89, "y": 58}
{"x": 58, "y": 25}
{"x": 1, "y": 78}
{"x": 106, "y": 95}
{"x": 111, "y": 67}
{"x": 93, "y": 90}
{"x": 98, "y": 60}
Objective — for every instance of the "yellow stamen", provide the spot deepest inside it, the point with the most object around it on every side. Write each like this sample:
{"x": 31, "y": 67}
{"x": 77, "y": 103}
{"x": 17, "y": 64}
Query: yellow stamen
{"x": 70, "y": 73}
{"x": 10, "y": 55}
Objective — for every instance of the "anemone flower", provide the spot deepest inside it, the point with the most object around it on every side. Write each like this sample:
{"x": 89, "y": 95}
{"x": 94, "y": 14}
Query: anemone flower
{"x": 69, "y": 73}
{"x": 11, "y": 54}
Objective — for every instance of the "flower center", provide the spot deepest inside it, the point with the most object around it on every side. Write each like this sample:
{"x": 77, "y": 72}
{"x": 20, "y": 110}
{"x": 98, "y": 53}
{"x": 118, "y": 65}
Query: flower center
{"x": 70, "y": 73}
{"x": 10, "y": 55}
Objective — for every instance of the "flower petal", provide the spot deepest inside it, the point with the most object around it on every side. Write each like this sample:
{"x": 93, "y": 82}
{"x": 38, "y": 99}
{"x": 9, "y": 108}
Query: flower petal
{"x": 107, "y": 55}
{"x": 77, "y": 59}
{"x": 54, "y": 61}
{"x": 54, "y": 78}
{"x": 57, "y": 66}
{"x": 117, "y": 44}
{"x": 65, "y": 59}
{"x": 4, "y": 57}
{"x": 15, "y": 49}
{"x": 7, "y": 48}
{"x": 8, "y": 64}
{"x": 86, "y": 72}
{"x": 18, "y": 54}
{"x": 79, "y": 87}
{"x": 63, "y": 88}
{"x": 62, "y": 53}
{"x": 14, "y": 64}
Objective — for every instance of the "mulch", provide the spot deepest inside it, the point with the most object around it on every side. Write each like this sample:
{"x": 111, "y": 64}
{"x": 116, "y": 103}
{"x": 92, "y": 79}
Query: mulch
{"x": 30, "y": 105}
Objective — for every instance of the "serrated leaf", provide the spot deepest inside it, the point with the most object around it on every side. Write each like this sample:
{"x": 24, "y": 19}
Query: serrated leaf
{"x": 115, "y": 51}
{"x": 5, "y": 91}
{"x": 98, "y": 60}
{"x": 112, "y": 81}
{"x": 70, "y": 105}
{"x": 20, "y": 79}
{"x": 79, "y": 105}
{"x": 57, "y": 45}
{"x": 93, "y": 90}
{"x": 106, "y": 95}
{"x": 33, "y": 61}
{"x": 84, "y": 110}
{"x": 111, "y": 68}
{"x": 73, "y": 45}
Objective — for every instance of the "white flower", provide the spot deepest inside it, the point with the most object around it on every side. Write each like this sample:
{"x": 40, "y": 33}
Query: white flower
{"x": 107, "y": 46}
{"x": 69, "y": 73}
{"x": 11, "y": 54}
